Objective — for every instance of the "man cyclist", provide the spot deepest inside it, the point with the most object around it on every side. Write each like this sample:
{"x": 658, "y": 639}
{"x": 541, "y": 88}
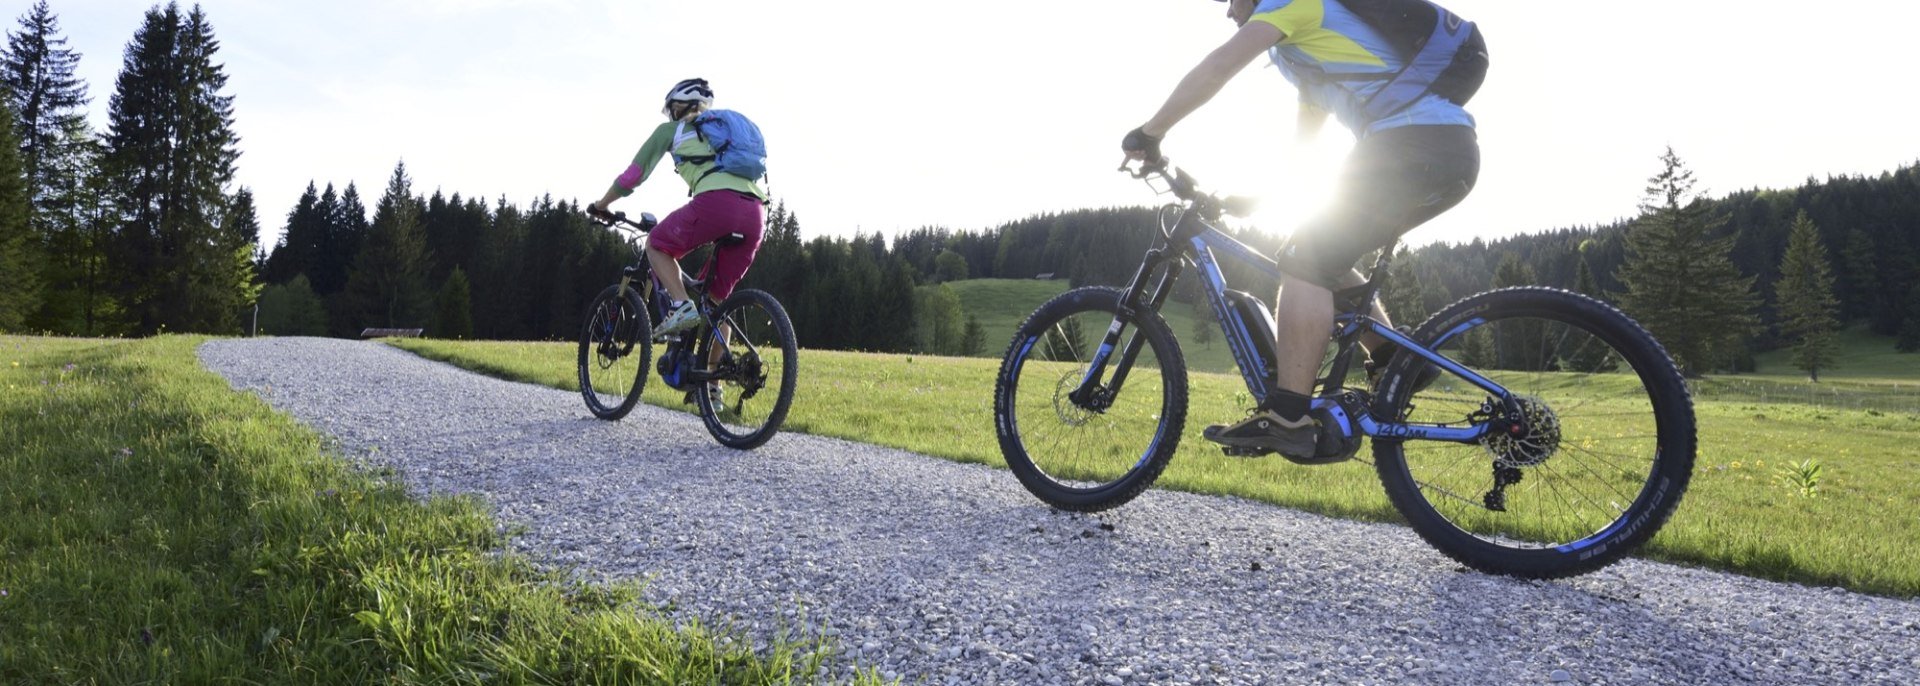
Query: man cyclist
{"x": 1408, "y": 166}
{"x": 722, "y": 204}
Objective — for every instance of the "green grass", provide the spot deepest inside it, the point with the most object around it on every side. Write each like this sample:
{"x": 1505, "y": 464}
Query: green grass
{"x": 1868, "y": 375}
{"x": 1862, "y": 358}
{"x": 1735, "y": 517}
{"x": 159, "y": 527}
{"x": 1003, "y": 304}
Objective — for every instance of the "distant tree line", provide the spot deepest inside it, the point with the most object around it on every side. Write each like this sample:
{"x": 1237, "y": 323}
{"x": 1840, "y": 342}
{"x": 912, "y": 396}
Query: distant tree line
{"x": 1856, "y": 261}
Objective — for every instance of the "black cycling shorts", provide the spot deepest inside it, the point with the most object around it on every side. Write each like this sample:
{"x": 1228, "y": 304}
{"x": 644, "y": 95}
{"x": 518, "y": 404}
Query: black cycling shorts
{"x": 1393, "y": 181}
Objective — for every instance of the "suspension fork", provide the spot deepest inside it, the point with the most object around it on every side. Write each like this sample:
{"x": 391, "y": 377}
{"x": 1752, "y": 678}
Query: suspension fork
{"x": 1089, "y": 394}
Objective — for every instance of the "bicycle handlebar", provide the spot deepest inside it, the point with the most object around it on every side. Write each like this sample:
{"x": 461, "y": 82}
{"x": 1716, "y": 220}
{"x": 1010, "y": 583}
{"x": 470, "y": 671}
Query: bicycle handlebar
{"x": 614, "y": 219}
{"x": 1187, "y": 188}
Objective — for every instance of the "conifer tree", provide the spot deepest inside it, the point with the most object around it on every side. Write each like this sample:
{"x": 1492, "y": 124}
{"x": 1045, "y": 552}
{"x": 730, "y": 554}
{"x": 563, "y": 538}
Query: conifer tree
{"x": 171, "y": 151}
{"x": 298, "y": 251}
{"x": 1805, "y": 300}
{"x": 387, "y": 287}
{"x": 1204, "y": 322}
{"x": 49, "y": 103}
{"x": 1909, "y": 339}
{"x": 56, "y": 154}
{"x": 19, "y": 247}
{"x": 1519, "y": 343}
{"x": 1405, "y": 297}
{"x": 974, "y": 340}
{"x": 1583, "y": 352}
{"x": 1681, "y": 283}
{"x": 1861, "y": 275}
{"x": 454, "y": 318}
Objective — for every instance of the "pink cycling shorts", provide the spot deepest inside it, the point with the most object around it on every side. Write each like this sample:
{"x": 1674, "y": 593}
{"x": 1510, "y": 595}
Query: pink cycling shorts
{"x": 706, "y": 218}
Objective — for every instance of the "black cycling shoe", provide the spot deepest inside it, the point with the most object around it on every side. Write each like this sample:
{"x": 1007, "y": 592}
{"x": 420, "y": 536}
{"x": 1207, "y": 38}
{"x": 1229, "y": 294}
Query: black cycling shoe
{"x": 1267, "y": 431}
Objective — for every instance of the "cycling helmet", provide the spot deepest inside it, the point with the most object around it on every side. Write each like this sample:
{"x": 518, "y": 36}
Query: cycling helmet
{"x": 690, "y": 90}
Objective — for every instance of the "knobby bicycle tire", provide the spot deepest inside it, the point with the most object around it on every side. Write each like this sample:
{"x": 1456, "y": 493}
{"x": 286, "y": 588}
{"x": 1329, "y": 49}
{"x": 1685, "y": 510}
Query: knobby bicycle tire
{"x": 1170, "y": 412}
{"x": 1673, "y": 442}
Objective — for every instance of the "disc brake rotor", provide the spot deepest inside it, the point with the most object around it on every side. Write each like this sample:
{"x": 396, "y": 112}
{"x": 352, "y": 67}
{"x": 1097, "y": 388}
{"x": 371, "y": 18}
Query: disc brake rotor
{"x": 1539, "y": 441}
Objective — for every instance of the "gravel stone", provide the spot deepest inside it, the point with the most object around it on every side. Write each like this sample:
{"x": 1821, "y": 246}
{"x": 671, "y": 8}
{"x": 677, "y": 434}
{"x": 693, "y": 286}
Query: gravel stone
{"x": 951, "y": 573}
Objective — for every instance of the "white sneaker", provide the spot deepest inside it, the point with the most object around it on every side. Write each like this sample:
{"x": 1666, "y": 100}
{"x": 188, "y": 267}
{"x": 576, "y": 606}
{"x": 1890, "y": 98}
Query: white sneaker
{"x": 678, "y": 320}
{"x": 718, "y": 397}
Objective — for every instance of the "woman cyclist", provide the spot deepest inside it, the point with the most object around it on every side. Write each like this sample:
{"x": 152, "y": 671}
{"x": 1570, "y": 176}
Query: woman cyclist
{"x": 722, "y": 204}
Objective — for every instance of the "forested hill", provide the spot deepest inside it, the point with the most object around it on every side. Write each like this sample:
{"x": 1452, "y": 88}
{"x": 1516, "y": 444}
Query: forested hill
{"x": 1869, "y": 226}
{"x": 533, "y": 269}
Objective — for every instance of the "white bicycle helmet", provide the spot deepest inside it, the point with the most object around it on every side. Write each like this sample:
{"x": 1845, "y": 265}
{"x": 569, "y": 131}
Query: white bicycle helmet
{"x": 690, "y": 90}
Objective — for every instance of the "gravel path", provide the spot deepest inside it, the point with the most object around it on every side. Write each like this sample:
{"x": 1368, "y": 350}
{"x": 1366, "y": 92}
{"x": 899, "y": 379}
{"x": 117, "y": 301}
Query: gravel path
{"x": 944, "y": 573}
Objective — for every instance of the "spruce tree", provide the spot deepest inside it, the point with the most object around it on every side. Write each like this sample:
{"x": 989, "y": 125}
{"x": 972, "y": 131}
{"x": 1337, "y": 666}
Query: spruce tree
{"x": 1909, "y": 339}
{"x": 454, "y": 318}
{"x": 1681, "y": 282}
{"x": 1405, "y": 298}
{"x": 1204, "y": 322}
{"x": 387, "y": 287}
{"x": 19, "y": 247}
{"x": 298, "y": 250}
{"x": 1519, "y": 343}
{"x": 49, "y": 101}
{"x": 171, "y": 149}
{"x": 226, "y": 281}
{"x": 1860, "y": 274}
{"x": 974, "y": 340}
{"x": 1805, "y": 300}
{"x": 1582, "y": 352}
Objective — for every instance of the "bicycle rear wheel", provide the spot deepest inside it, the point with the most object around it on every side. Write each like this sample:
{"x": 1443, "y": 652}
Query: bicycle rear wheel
{"x": 1094, "y": 453}
{"x": 757, "y": 364}
{"x": 1606, "y": 453}
{"x": 614, "y": 352}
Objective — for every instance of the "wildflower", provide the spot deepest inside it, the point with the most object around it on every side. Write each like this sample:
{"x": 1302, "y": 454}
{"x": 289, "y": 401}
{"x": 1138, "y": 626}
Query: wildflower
{"x": 70, "y": 367}
{"x": 1736, "y": 464}
{"x": 3, "y": 593}
{"x": 126, "y": 453}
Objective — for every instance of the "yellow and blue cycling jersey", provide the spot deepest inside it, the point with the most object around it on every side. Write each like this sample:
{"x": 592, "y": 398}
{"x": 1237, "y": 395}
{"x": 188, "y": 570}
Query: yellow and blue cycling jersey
{"x": 1324, "y": 37}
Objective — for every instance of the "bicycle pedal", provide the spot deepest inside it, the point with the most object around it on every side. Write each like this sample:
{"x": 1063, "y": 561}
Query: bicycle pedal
{"x": 1235, "y": 451}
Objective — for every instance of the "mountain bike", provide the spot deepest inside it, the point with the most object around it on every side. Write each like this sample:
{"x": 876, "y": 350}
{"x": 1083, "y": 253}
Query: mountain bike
{"x": 1525, "y": 431}
{"x": 738, "y": 365}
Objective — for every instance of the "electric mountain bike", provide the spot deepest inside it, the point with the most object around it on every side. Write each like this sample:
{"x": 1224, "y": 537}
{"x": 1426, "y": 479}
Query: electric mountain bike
{"x": 738, "y": 365}
{"x": 1525, "y": 431}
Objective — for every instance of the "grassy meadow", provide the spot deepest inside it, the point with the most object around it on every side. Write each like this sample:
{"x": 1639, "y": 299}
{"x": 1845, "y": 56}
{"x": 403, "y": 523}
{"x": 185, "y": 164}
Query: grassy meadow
{"x": 1003, "y": 304}
{"x": 1740, "y": 514}
{"x": 159, "y": 527}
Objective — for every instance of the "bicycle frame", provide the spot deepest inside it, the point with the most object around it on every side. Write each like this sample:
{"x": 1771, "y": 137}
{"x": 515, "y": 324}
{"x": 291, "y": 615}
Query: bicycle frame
{"x": 1194, "y": 240}
{"x": 643, "y": 271}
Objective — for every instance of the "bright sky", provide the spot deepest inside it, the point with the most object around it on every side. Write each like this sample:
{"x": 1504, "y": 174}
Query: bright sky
{"x": 886, "y": 115}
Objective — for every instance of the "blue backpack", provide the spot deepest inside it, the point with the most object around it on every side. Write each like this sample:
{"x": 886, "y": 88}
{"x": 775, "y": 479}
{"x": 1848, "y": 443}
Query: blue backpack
{"x": 738, "y": 148}
{"x": 1445, "y": 54}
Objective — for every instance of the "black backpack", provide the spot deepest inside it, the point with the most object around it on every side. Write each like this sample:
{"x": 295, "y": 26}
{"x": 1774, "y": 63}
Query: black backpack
{"x": 1444, "y": 54}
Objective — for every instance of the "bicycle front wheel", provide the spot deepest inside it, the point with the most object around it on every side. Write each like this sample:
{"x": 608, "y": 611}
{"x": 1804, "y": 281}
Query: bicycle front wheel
{"x": 1092, "y": 451}
{"x": 752, "y": 361}
{"x": 614, "y": 352}
{"x": 1601, "y": 458}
